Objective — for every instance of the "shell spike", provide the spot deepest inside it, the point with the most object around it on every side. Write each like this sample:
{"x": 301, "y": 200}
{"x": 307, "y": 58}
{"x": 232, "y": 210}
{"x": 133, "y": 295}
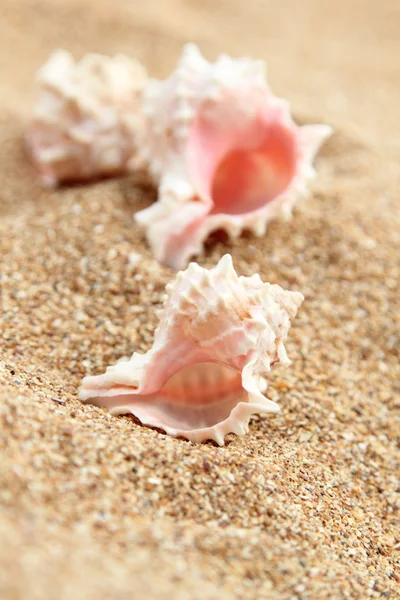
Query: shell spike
{"x": 191, "y": 49}
{"x": 239, "y": 428}
{"x": 312, "y": 137}
{"x": 225, "y": 267}
{"x": 219, "y": 437}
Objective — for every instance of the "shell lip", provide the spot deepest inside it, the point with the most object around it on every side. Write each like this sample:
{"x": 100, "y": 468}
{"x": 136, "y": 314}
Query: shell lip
{"x": 236, "y": 422}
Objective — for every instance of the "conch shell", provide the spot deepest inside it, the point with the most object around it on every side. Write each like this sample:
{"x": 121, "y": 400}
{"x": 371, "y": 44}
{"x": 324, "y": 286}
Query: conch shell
{"x": 218, "y": 336}
{"x": 224, "y": 151}
{"x": 86, "y": 117}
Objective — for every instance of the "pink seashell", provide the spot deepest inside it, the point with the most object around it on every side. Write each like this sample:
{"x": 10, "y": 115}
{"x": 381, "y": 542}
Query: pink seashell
{"x": 86, "y": 117}
{"x": 218, "y": 336}
{"x": 225, "y": 152}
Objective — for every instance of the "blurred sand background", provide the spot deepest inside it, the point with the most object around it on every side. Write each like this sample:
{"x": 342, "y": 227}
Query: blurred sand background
{"x": 306, "y": 506}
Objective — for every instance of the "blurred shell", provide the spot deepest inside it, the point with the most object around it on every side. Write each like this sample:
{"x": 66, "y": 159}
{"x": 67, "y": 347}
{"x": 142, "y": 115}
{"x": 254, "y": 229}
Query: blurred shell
{"x": 86, "y": 117}
{"x": 224, "y": 151}
{"x": 218, "y": 336}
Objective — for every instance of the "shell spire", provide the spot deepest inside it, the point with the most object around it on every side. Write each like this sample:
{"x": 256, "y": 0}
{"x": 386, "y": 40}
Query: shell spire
{"x": 87, "y": 115}
{"x": 218, "y": 336}
{"x": 224, "y": 151}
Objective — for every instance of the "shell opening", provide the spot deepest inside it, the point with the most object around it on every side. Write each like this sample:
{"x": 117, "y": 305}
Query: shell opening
{"x": 245, "y": 180}
{"x": 197, "y": 396}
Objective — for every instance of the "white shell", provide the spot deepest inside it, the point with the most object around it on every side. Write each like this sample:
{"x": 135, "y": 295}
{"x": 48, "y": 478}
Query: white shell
{"x": 86, "y": 118}
{"x": 224, "y": 152}
{"x": 218, "y": 336}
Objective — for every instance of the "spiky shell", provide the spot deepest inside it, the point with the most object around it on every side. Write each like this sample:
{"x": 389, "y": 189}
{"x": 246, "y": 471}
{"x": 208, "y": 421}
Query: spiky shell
{"x": 225, "y": 152}
{"x": 86, "y": 117}
{"x": 218, "y": 336}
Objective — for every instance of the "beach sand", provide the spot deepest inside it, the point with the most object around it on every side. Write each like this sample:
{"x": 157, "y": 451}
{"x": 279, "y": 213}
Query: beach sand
{"x": 306, "y": 506}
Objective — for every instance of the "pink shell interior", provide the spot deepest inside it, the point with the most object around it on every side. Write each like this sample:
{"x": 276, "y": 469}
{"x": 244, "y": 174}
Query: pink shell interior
{"x": 237, "y": 171}
{"x": 196, "y": 397}
{"x": 242, "y": 170}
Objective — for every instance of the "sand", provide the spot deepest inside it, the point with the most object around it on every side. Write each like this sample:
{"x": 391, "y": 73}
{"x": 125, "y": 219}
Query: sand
{"x": 306, "y": 506}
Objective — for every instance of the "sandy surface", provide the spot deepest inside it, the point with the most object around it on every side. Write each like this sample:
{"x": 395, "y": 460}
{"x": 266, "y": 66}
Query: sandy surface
{"x": 306, "y": 506}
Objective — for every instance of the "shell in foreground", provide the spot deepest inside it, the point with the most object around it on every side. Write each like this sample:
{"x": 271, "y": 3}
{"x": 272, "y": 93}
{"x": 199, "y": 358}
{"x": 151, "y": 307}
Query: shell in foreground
{"x": 86, "y": 118}
{"x": 225, "y": 152}
{"x": 218, "y": 336}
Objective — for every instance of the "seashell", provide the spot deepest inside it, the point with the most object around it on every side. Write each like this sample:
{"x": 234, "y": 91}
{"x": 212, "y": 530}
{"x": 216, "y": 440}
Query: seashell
{"x": 224, "y": 151}
{"x": 86, "y": 118}
{"x": 218, "y": 336}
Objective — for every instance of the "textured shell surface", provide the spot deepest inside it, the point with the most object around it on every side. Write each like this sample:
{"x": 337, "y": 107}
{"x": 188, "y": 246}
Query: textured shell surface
{"x": 224, "y": 151}
{"x": 86, "y": 117}
{"x": 218, "y": 336}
